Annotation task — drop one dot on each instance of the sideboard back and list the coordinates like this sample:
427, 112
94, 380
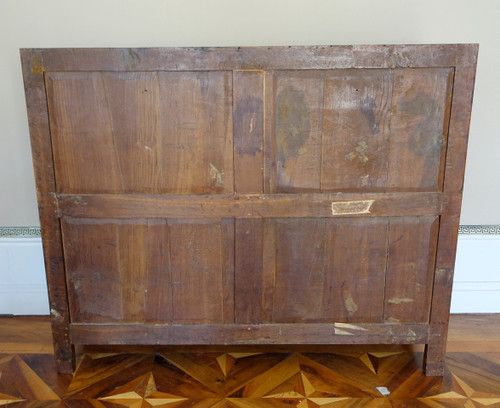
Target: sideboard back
262, 195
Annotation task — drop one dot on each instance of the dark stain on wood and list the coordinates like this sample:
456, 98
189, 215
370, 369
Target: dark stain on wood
247, 116
367, 106
425, 139
293, 124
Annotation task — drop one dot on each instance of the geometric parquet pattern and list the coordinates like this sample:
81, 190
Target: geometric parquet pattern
244, 380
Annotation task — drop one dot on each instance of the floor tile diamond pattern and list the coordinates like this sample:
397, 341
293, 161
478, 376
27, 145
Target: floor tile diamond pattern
304, 380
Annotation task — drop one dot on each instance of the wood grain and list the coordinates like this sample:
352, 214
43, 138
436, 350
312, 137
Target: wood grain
410, 268
41, 147
453, 183
127, 275
419, 126
248, 108
248, 269
302, 333
356, 130
261, 58
298, 122
135, 127
196, 124
251, 206
82, 134
260, 194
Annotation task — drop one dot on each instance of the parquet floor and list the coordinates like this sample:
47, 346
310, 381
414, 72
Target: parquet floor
300, 377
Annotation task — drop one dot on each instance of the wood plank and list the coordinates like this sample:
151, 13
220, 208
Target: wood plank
196, 128
267, 58
197, 271
41, 147
298, 126
303, 333
159, 270
92, 256
33, 334
82, 134
410, 268
419, 128
270, 169
251, 206
330, 270
356, 130
227, 264
135, 128
248, 270
300, 270
132, 256
248, 111
454, 176
268, 269
354, 282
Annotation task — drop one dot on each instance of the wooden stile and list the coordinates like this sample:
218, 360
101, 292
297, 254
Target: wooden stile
261, 195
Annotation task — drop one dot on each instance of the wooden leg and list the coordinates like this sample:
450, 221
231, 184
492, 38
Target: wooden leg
435, 350
65, 358
64, 351
434, 360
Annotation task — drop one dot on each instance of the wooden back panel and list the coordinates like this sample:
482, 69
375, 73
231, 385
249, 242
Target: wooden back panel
244, 186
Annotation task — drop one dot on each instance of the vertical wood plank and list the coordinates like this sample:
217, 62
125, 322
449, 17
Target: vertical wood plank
135, 128
197, 273
268, 269
82, 135
92, 256
300, 270
298, 128
453, 182
354, 279
41, 148
196, 128
356, 129
419, 128
248, 270
248, 109
227, 260
410, 268
270, 175
133, 249
159, 270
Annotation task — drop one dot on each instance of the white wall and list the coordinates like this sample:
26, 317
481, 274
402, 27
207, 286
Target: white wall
148, 23
127, 23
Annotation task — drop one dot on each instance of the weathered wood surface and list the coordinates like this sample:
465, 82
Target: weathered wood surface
463, 89
41, 148
311, 333
250, 206
190, 194
253, 58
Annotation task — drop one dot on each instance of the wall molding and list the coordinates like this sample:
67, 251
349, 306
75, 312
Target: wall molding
28, 232
20, 232
479, 229
476, 286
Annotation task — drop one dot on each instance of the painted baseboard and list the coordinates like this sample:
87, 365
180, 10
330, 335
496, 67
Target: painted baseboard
476, 288
23, 289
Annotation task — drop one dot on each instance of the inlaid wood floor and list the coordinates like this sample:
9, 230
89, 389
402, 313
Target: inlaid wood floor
269, 377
